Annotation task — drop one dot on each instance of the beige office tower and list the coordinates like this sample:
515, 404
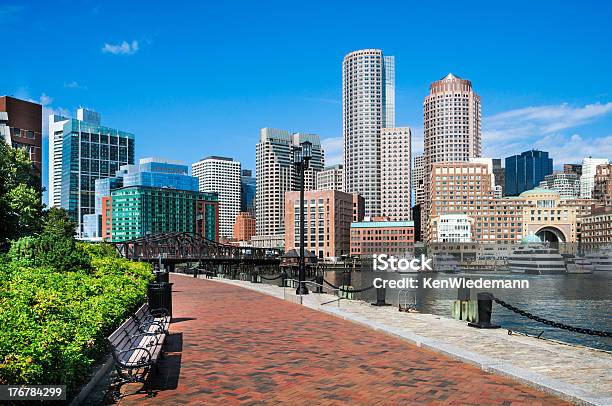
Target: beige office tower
221, 175
395, 149
276, 175
418, 179
368, 106
452, 126
331, 178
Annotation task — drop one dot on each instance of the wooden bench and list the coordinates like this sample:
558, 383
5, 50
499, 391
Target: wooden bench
145, 317
137, 345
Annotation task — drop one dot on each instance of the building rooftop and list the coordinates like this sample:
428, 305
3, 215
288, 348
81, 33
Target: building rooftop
381, 224
539, 191
450, 76
218, 158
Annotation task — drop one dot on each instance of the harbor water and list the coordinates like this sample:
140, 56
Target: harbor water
577, 300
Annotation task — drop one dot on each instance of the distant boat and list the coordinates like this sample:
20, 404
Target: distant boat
579, 265
601, 260
536, 259
446, 263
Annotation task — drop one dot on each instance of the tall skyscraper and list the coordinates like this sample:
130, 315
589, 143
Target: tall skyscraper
22, 123
526, 171
451, 122
81, 151
587, 179
418, 179
275, 174
331, 178
452, 128
222, 176
248, 187
368, 106
395, 173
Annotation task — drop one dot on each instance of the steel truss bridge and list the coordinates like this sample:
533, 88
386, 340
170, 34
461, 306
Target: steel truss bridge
175, 248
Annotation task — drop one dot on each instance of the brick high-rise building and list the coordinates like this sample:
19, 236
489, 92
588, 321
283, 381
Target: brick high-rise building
328, 217
244, 226
452, 128
396, 153
466, 189
368, 106
381, 236
602, 189
22, 123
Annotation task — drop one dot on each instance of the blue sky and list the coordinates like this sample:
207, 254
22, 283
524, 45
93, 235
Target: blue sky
201, 78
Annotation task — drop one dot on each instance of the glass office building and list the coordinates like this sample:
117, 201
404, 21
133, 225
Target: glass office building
248, 186
137, 211
155, 196
89, 152
526, 171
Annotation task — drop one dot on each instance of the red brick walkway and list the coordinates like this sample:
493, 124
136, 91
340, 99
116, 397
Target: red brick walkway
233, 346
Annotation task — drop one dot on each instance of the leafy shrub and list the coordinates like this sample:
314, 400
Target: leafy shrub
50, 250
57, 307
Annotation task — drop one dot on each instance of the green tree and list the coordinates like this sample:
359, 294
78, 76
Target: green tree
58, 223
20, 198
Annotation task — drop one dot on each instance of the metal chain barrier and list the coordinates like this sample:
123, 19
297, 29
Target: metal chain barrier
270, 279
346, 290
553, 323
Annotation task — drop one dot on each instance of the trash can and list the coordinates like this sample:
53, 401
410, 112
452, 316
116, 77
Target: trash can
160, 296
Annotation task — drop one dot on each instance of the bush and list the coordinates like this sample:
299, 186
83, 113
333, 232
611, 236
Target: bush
57, 307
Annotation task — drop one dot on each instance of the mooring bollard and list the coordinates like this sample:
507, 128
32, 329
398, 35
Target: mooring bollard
283, 279
485, 306
319, 284
381, 295
463, 294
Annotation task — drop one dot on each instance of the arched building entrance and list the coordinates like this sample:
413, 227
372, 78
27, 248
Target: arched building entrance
551, 234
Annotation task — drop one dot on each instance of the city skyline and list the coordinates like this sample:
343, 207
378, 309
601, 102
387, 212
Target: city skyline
523, 105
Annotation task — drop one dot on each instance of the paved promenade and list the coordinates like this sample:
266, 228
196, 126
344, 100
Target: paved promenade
234, 346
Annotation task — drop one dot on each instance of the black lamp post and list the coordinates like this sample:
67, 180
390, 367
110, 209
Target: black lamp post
301, 156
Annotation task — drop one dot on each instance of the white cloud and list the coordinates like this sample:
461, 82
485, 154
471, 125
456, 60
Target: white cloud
540, 120
334, 150
124, 48
514, 131
47, 110
74, 85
